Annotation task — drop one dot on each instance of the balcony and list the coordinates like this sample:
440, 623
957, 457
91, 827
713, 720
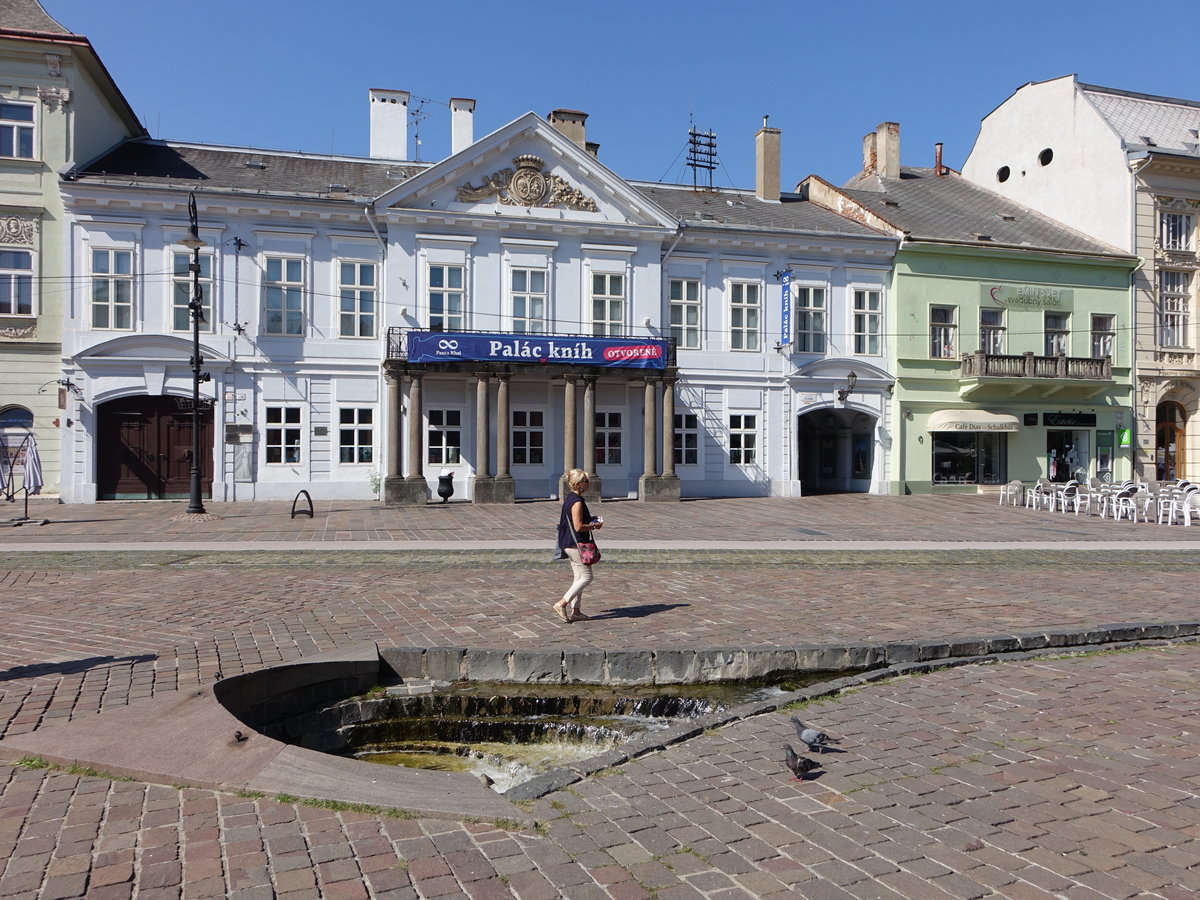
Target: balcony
1083, 377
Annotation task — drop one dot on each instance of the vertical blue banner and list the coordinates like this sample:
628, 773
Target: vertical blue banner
785, 314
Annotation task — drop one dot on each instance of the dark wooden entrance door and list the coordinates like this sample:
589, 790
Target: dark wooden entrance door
144, 449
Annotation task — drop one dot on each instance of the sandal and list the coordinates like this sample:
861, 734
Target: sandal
562, 612
580, 617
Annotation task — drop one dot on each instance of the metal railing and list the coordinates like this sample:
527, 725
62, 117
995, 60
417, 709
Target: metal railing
1028, 365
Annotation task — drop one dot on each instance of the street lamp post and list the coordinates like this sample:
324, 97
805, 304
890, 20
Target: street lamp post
196, 311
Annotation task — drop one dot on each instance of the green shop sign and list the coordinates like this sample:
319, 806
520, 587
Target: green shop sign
1028, 296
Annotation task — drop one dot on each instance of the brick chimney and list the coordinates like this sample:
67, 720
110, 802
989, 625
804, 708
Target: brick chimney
462, 132
389, 124
881, 151
766, 162
571, 124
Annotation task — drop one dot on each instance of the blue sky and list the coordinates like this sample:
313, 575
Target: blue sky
294, 75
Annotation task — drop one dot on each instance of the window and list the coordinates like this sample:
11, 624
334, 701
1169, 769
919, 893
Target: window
356, 436
684, 297
1175, 231
743, 315
867, 320
528, 438
942, 329
283, 296
16, 283
1102, 336
1057, 333
445, 436
969, 457
112, 289
687, 439
608, 438
283, 434
529, 301
446, 298
743, 439
1174, 307
181, 291
16, 130
608, 305
356, 286
809, 305
991, 331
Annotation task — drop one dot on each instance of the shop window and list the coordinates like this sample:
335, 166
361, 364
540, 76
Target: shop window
969, 457
1169, 429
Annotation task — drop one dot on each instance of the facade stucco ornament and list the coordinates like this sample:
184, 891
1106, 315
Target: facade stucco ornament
54, 65
28, 332
528, 185
54, 98
17, 230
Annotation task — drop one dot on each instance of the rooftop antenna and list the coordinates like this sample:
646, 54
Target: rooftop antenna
702, 154
417, 117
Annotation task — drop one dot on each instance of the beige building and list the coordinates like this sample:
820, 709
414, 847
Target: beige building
1123, 167
59, 108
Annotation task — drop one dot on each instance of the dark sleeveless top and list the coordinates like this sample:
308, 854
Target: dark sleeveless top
566, 537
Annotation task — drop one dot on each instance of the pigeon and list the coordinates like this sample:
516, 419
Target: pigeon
799, 765
816, 740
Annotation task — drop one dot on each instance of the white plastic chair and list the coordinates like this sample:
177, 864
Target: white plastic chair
1185, 504
1013, 493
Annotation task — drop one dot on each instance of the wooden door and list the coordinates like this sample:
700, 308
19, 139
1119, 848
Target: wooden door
144, 448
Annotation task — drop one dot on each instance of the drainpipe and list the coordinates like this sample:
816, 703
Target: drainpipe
371, 222
678, 237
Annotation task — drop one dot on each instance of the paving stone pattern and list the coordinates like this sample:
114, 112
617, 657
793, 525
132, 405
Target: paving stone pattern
1074, 777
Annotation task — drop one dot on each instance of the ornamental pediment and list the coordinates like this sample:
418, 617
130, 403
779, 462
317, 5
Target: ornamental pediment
527, 184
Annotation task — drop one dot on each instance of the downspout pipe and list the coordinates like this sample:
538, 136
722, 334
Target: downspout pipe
367, 211
682, 227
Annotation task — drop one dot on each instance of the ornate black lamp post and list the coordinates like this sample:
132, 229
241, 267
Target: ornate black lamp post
196, 310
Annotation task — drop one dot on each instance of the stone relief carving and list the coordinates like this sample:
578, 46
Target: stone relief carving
527, 185
17, 230
30, 331
54, 64
54, 98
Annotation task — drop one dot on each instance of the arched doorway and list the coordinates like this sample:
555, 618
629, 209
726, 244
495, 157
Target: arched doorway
1169, 448
835, 451
144, 449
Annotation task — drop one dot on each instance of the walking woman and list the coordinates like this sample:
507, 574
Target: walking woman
575, 524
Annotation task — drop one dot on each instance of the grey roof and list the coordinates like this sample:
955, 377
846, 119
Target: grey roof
951, 209
27, 15
154, 163
743, 210
1144, 120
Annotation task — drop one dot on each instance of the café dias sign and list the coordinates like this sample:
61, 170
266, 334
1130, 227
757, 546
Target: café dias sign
450, 346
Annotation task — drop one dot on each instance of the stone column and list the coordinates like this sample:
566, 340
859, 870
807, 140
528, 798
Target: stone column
482, 443
589, 435
395, 436
649, 442
413, 491
502, 487
570, 424
666, 486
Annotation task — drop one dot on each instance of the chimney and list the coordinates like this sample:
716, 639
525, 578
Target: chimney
593, 148
570, 123
869, 156
937, 160
887, 149
462, 133
389, 124
766, 163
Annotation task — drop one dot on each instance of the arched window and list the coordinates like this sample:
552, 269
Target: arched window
16, 423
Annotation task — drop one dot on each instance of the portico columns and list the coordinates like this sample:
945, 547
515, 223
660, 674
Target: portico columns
393, 476
589, 434
501, 488
569, 426
665, 486
412, 490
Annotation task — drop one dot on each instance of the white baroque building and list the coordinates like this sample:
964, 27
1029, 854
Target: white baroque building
500, 316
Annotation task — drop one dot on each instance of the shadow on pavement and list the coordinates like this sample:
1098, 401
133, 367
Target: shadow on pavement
70, 666
638, 612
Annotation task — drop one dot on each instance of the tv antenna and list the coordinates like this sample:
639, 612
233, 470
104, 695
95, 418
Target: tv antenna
702, 154
416, 116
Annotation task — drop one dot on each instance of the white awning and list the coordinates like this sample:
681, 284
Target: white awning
972, 420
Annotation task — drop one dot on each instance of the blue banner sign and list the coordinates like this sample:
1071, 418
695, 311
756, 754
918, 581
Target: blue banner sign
785, 324
452, 346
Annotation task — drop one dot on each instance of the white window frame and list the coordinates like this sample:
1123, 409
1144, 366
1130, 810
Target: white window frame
181, 290
745, 316
1057, 339
358, 298
1104, 329
113, 285
867, 323
608, 303
608, 430
292, 319
15, 132
524, 299
743, 439
16, 283
527, 437
1174, 307
356, 432
282, 433
443, 422
687, 425
684, 312
451, 314
810, 312
992, 336
1176, 230
943, 331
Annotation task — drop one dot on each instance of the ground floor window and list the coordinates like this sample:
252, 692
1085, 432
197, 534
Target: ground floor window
528, 438
969, 457
356, 436
608, 438
445, 437
1068, 455
743, 440
283, 434
687, 439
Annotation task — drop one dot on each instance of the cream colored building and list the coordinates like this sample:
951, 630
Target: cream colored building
1123, 167
59, 108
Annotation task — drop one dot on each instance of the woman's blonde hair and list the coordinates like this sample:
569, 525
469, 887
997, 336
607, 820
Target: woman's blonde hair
576, 477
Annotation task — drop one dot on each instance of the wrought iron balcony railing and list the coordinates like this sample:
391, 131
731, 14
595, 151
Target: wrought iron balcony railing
1027, 365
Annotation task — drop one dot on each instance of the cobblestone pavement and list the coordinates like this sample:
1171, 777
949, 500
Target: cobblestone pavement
1075, 777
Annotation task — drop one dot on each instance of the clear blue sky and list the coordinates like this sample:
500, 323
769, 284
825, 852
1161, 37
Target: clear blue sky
294, 75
